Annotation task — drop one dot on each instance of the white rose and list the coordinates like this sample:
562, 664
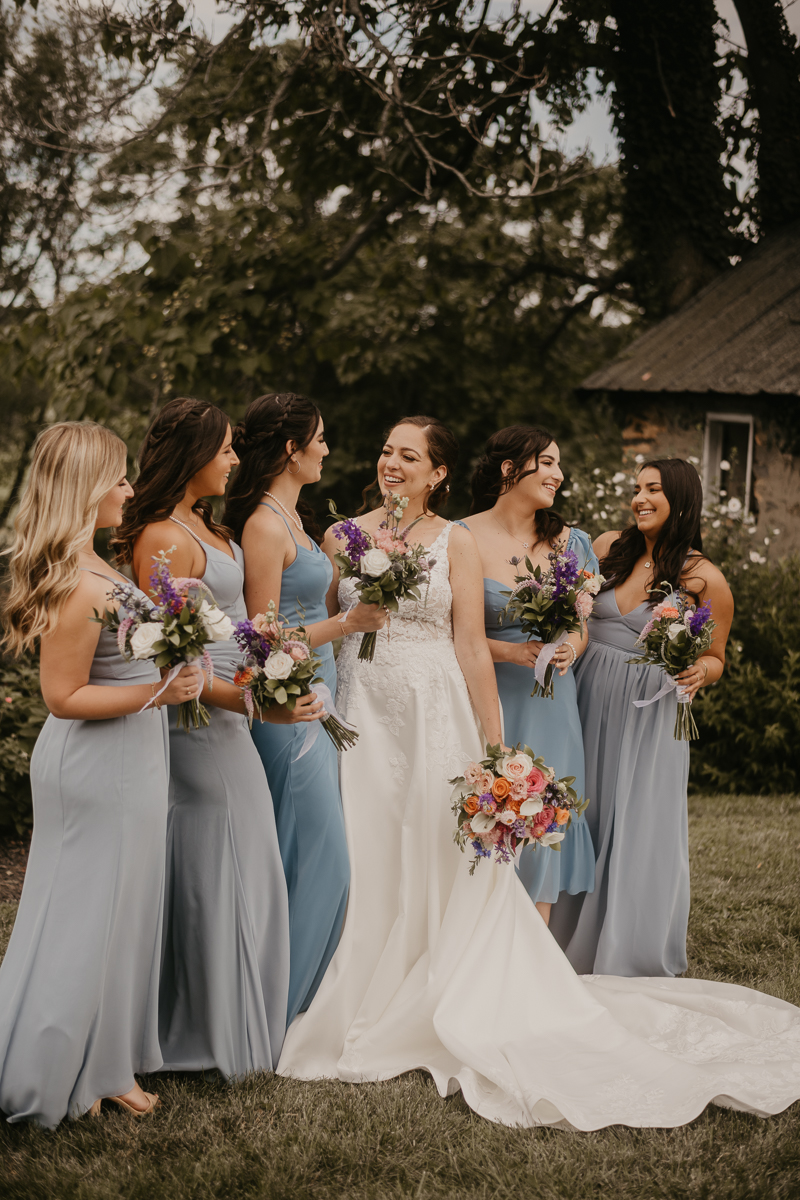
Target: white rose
674, 629
550, 839
531, 806
278, 665
144, 637
515, 767
217, 626
482, 822
375, 562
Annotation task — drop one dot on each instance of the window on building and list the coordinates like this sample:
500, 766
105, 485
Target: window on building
728, 461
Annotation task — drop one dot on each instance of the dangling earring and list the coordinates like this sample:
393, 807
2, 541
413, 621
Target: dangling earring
296, 463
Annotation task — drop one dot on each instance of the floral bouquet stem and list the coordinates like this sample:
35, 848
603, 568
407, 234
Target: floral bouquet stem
685, 726
366, 651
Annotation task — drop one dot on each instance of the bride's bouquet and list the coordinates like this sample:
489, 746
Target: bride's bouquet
174, 630
550, 605
676, 635
507, 801
386, 567
279, 667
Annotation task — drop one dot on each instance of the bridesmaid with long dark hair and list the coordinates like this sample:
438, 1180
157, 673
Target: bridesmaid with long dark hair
225, 975
514, 486
79, 982
281, 447
636, 773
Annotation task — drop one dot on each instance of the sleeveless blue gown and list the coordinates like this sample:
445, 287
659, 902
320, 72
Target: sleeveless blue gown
225, 974
553, 729
79, 982
636, 773
308, 805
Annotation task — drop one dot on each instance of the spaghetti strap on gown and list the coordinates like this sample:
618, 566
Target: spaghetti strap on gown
79, 982
636, 921
225, 975
458, 974
305, 793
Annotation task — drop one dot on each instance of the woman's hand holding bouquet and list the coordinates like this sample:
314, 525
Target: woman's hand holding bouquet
549, 606
386, 567
279, 667
512, 799
173, 630
677, 634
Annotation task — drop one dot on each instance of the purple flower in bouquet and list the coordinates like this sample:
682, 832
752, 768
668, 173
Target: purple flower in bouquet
163, 587
698, 619
251, 642
357, 542
565, 572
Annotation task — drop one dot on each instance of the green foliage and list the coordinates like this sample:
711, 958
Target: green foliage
22, 714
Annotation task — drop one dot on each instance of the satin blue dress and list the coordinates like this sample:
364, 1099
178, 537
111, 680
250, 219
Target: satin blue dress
225, 973
79, 982
551, 728
636, 773
308, 805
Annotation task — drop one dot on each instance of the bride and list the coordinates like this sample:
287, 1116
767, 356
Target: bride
458, 974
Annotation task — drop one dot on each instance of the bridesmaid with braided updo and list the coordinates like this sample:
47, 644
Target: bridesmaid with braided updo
225, 973
281, 447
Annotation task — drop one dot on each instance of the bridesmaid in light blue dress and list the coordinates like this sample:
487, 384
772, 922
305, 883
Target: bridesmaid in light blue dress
225, 971
79, 983
636, 773
281, 447
506, 503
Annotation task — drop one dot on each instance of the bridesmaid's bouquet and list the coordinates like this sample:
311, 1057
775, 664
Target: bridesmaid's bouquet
386, 567
550, 605
506, 801
173, 630
281, 666
676, 635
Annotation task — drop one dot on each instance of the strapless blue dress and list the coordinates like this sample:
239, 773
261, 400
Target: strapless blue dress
551, 728
308, 805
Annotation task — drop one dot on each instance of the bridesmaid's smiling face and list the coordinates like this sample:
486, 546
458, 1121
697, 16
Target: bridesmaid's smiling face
650, 506
310, 459
405, 467
212, 479
109, 512
540, 488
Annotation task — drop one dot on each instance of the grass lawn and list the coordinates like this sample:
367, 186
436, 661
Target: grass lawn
277, 1138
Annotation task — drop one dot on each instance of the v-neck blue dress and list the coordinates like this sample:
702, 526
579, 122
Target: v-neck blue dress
225, 973
636, 773
308, 805
553, 729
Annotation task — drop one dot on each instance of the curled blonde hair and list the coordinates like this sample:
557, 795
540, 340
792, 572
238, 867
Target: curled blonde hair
74, 465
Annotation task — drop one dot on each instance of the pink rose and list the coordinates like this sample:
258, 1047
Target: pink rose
546, 816
483, 781
271, 630
298, 651
584, 605
536, 782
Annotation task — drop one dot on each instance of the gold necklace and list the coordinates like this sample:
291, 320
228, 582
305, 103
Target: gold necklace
294, 518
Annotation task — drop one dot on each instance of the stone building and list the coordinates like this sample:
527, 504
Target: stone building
718, 382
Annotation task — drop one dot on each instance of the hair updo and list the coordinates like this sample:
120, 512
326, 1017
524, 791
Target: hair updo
442, 451
260, 442
517, 444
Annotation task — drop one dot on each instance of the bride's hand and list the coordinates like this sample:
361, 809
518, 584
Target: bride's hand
365, 618
526, 653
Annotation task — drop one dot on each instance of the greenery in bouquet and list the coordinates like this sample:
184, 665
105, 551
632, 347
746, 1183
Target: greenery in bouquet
551, 604
510, 800
172, 630
676, 635
280, 666
386, 567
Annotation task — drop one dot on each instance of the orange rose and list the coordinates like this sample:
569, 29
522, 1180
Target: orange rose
562, 816
501, 788
514, 805
471, 805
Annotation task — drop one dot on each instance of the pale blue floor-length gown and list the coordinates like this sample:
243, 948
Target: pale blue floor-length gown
308, 806
552, 728
79, 982
636, 773
225, 975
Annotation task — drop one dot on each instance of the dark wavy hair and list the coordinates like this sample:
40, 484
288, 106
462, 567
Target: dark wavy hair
183, 437
260, 441
442, 451
519, 444
679, 534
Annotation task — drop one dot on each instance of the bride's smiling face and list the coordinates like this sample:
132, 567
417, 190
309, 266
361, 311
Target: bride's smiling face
405, 467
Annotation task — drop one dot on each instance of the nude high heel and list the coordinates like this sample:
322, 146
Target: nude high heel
94, 1111
135, 1112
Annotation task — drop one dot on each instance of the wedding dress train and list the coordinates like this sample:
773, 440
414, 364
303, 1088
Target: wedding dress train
459, 975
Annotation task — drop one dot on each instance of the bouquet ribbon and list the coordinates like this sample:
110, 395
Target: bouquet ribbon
165, 682
312, 729
671, 684
545, 654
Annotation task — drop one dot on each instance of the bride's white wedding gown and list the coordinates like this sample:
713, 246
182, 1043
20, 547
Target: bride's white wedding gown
459, 975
